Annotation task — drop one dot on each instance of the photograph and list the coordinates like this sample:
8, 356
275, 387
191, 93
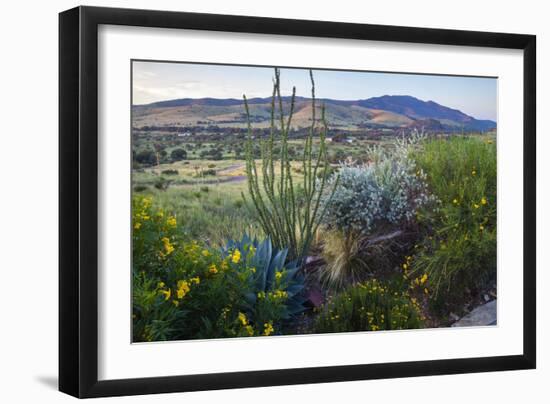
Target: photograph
270, 201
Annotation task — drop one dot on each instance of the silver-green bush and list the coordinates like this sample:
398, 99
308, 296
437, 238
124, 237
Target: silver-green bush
387, 190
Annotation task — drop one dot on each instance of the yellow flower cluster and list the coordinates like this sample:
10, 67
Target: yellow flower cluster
279, 294
236, 256
142, 214
171, 221
242, 318
244, 321
421, 280
184, 287
406, 266
268, 329
168, 247
212, 269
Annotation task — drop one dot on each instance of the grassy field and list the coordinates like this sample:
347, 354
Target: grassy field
205, 195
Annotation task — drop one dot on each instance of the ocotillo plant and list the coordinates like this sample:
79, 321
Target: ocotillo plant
288, 219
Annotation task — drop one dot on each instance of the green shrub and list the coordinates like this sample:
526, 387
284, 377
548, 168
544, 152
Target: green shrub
369, 306
170, 172
209, 172
140, 188
459, 252
162, 184
178, 154
184, 290
386, 192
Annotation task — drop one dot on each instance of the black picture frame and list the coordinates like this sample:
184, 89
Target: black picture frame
78, 201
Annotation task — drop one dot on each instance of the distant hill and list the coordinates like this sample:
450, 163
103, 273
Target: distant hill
390, 111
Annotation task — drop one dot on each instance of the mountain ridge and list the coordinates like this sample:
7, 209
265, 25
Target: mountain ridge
387, 111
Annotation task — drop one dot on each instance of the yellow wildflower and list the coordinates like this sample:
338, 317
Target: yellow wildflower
481, 227
137, 225
236, 257
249, 330
455, 201
242, 318
212, 269
476, 206
484, 201
171, 221
161, 285
167, 245
405, 266
183, 289
280, 294
474, 172
253, 270
423, 279
196, 280
205, 253
268, 329
166, 294
261, 295
278, 275
175, 303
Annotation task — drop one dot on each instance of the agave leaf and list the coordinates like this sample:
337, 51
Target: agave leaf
250, 298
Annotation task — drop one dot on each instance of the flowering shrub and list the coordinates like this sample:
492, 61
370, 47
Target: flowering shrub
388, 190
183, 290
369, 306
459, 253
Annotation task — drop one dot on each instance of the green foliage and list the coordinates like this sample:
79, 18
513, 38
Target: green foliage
459, 252
162, 184
386, 192
209, 172
288, 221
169, 172
178, 154
369, 306
185, 290
146, 157
140, 188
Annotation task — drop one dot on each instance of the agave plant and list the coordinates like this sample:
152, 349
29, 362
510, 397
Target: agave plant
268, 261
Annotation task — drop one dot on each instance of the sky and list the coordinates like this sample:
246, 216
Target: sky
161, 81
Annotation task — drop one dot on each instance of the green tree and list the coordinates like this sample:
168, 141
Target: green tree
178, 154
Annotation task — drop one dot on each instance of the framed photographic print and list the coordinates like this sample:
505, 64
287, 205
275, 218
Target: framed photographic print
251, 201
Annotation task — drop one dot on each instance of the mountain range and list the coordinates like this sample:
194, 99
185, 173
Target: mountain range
388, 111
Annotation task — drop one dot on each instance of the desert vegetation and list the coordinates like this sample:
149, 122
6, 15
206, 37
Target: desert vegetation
279, 230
